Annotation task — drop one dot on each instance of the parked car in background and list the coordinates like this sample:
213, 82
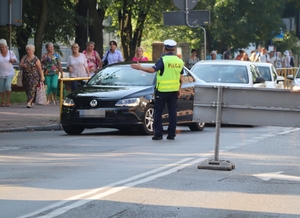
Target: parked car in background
269, 73
295, 85
229, 73
121, 97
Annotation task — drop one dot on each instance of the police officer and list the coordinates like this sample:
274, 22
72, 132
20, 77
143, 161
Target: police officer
169, 70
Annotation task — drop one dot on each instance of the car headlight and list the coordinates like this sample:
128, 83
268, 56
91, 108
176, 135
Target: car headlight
128, 102
68, 102
295, 88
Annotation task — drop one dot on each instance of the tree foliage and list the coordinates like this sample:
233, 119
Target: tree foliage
139, 22
234, 23
131, 19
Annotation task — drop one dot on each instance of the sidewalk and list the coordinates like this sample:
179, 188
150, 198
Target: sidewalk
19, 118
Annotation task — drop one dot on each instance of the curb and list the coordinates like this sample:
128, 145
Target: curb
33, 128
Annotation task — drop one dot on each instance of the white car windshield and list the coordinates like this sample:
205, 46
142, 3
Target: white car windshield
219, 73
122, 75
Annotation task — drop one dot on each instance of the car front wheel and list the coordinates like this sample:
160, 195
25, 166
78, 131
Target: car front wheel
73, 130
197, 126
147, 127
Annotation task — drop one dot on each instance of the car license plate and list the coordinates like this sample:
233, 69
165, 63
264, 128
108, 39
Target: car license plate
92, 113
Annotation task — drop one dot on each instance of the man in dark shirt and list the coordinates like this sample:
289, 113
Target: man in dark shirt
292, 63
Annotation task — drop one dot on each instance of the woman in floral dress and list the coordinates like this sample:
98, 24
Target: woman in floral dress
93, 58
32, 74
52, 67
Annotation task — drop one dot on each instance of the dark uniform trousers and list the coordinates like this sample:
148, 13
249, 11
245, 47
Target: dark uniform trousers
161, 99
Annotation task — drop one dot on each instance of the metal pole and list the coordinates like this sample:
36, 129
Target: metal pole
10, 23
218, 121
187, 23
88, 25
204, 41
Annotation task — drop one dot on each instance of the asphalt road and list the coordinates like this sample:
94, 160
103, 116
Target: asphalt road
103, 173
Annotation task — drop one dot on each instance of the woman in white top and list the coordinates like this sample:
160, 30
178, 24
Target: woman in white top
77, 65
7, 72
286, 60
272, 57
278, 60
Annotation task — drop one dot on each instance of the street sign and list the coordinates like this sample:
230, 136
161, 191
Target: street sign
289, 23
195, 18
279, 37
10, 14
181, 4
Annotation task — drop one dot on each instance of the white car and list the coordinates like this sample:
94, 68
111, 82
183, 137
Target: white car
229, 73
295, 84
269, 73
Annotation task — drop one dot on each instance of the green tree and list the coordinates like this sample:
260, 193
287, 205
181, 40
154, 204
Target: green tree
132, 16
233, 22
45, 21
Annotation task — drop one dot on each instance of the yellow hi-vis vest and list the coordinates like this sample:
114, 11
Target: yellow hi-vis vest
170, 80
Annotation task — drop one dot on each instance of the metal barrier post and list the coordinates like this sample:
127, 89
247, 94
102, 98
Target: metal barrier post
62, 90
217, 164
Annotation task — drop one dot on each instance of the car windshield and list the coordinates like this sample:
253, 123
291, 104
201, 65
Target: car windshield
122, 75
265, 72
220, 73
298, 74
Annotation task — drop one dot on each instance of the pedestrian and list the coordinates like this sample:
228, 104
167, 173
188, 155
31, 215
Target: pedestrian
292, 62
252, 55
139, 57
286, 60
169, 78
77, 66
7, 72
193, 59
278, 60
258, 53
245, 57
272, 58
240, 55
275, 51
264, 57
213, 55
51, 64
113, 55
32, 74
93, 59
227, 54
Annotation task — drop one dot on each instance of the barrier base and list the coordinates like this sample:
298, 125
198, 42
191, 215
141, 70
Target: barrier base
216, 165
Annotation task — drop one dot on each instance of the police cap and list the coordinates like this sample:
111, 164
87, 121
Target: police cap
170, 43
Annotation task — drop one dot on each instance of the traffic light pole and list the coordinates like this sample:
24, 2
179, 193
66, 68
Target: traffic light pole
187, 23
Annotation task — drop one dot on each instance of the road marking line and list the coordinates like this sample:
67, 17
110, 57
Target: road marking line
114, 190
59, 203
288, 131
8, 148
277, 175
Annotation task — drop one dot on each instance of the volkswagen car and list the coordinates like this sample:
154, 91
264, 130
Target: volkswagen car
121, 97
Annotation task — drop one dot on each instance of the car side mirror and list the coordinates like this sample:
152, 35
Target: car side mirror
280, 79
259, 80
291, 77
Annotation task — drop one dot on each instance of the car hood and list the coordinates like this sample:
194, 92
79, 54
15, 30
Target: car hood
296, 81
258, 85
230, 84
112, 92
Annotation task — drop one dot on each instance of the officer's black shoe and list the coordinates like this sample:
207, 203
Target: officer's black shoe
171, 137
156, 137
